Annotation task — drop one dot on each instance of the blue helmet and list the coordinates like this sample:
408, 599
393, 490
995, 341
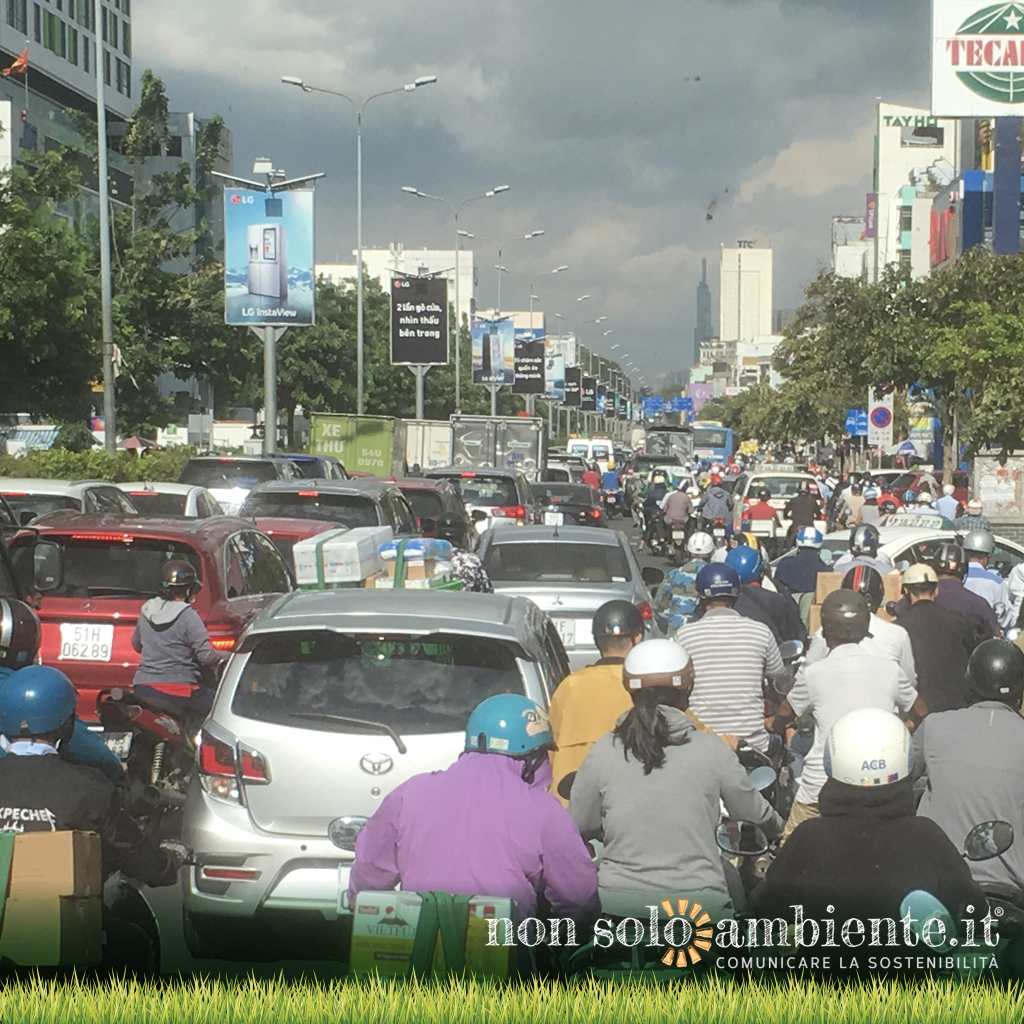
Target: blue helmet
809, 537
909, 497
719, 579
509, 724
747, 563
36, 700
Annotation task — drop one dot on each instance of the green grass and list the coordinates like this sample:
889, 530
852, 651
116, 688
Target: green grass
199, 1001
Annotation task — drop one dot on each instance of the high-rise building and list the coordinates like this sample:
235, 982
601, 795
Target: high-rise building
745, 292
704, 329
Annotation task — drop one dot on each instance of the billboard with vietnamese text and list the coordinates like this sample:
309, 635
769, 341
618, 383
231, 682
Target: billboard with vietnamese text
493, 352
419, 325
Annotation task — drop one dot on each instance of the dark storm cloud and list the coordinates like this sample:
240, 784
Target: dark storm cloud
592, 113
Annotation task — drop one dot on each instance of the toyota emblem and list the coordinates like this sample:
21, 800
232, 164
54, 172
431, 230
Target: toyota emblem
376, 764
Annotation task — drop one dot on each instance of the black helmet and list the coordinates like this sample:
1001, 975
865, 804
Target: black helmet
856, 488
949, 559
887, 507
864, 540
764, 494
451, 526
20, 634
867, 582
996, 672
617, 619
178, 575
845, 616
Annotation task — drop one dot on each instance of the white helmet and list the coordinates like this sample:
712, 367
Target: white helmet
948, 489
701, 545
657, 663
869, 747
693, 491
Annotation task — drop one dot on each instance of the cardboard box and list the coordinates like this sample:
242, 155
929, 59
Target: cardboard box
814, 619
56, 864
49, 931
340, 556
415, 569
384, 929
831, 581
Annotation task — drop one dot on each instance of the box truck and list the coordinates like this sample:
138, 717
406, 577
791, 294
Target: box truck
500, 442
364, 444
428, 443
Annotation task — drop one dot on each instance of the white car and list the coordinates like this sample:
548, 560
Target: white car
162, 498
784, 485
32, 497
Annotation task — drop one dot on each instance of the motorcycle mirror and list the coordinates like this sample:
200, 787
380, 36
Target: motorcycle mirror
827, 555
1000, 610
762, 777
924, 909
791, 649
564, 787
478, 515
741, 838
903, 565
343, 832
652, 575
988, 840
890, 608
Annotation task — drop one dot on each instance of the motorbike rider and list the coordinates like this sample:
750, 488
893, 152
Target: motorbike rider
728, 692
804, 509
611, 485
850, 676
869, 512
500, 833
593, 478
779, 613
798, 572
716, 503
20, 636
677, 508
947, 505
850, 512
950, 566
677, 598
466, 564
974, 758
864, 541
656, 493
972, 519
175, 645
651, 792
979, 546
942, 641
868, 849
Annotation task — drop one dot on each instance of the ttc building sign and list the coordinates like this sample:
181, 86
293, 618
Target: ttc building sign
977, 59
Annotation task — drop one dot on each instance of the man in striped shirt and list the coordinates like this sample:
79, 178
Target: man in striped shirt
732, 656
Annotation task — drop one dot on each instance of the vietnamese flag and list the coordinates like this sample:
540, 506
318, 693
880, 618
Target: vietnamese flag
20, 66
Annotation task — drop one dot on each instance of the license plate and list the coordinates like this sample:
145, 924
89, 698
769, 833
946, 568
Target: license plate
678, 535
611, 500
80, 641
567, 631
554, 518
119, 743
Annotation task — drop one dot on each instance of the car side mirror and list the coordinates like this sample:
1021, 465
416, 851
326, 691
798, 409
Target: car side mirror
741, 839
26, 517
478, 515
791, 649
988, 840
652, 575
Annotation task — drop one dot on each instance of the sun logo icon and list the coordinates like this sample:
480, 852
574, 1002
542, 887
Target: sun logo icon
695, 928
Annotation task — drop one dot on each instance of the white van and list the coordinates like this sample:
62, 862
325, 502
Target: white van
594, 449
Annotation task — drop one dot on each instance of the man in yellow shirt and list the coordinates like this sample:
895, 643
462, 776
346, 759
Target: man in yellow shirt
588, 703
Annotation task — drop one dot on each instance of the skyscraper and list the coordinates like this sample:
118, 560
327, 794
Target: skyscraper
704, 329
745, 293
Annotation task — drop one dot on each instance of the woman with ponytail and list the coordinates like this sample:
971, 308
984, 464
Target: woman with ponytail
651, 791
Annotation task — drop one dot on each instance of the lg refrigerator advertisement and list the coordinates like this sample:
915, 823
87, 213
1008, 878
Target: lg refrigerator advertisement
573, 386
493, 351
556, 384
268, 258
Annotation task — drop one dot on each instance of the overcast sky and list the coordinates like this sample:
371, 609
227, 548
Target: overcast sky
589, 109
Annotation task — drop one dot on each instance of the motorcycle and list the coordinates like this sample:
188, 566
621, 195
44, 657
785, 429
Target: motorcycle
613, 502
719, 534
679, 534
654, 539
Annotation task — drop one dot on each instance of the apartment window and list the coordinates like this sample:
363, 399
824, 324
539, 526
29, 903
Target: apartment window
906, 218
126, 39
174, 146
86, 50
54, 34
106, 67
37, 23
113, 28
60, 5
73, 45
904, 256
17, 15
87, 14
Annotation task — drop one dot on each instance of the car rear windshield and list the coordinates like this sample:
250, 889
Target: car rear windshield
152, 503
103, 567
556, 562
31, 506
351, 509
227, 474
309, 469
904, 482
495, 491
778, 486
415, 685
564, 494
424, 504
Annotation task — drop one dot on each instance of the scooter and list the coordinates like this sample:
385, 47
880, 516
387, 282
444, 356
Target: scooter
719, 534
613, 502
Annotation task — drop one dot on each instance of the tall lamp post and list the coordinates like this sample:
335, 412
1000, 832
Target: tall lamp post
410, 87
455, 208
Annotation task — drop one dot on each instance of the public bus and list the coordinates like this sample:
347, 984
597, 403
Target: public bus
712, 441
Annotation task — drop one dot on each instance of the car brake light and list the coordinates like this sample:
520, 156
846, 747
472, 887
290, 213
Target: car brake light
15, 494
223, 643
231, 874
215, 757
509, 512
125, 538
140, 494
254, 766
595, 513
467, 476
226, 458
644, 608
309, 494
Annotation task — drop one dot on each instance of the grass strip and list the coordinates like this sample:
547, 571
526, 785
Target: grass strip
205, 1001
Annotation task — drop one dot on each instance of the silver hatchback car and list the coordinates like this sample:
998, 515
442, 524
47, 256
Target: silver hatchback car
569, 572
332, 700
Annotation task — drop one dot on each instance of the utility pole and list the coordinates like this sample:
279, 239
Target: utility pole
106, 299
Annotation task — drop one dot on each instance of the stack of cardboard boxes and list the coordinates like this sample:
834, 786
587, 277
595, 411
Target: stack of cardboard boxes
829, 581
54, 907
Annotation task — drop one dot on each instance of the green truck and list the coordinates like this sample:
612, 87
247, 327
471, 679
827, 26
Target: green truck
364, 444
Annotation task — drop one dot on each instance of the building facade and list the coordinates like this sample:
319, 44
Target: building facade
745, 292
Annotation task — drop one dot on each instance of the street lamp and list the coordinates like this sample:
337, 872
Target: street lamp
409, 87
411, 190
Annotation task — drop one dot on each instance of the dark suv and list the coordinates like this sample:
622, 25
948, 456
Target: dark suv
354, 503
501, 496
230, 478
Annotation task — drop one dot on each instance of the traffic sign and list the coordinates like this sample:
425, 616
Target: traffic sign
879, 420
857, 422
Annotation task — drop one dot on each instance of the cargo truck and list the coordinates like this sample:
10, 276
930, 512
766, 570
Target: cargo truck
676, 441
373, 445
428, 443
500, 442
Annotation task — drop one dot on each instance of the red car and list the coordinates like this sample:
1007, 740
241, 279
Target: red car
94, 572
429, 498
286, 533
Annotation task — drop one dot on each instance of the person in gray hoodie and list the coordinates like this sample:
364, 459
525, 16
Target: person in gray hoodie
651, 791
174, 644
